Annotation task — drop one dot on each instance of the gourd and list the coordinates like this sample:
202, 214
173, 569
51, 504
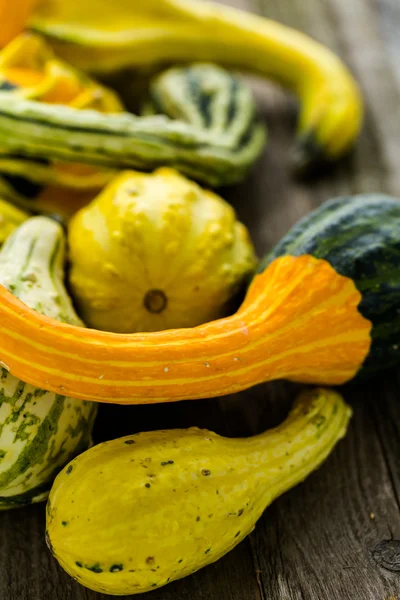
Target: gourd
218, 141
40, 431
100, 36
299, 321
29, 70
280, 331
10, 218
133, 514
13, 17
154, 252
360, 238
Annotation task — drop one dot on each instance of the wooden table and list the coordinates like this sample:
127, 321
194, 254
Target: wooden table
336, 536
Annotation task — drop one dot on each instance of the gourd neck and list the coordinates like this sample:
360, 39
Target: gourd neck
284, 456
279, 332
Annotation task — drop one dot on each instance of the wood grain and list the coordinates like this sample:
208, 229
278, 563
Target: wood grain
335, 536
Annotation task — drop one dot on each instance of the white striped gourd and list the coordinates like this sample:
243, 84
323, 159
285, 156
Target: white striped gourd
40, 431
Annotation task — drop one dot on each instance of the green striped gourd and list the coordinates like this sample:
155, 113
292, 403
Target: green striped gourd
360, 238
40, 431
30, 70
205, 127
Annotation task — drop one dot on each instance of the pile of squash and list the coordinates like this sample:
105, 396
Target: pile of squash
124, 279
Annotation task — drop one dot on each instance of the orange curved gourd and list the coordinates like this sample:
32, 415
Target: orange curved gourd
299, 321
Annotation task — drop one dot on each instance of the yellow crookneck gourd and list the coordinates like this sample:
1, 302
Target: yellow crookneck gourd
100, 36
154, 252
133, 514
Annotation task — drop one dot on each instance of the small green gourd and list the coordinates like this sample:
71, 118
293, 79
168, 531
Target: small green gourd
201, 121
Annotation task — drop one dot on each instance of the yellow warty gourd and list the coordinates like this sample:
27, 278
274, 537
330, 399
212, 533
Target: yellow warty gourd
132, 514
156, 252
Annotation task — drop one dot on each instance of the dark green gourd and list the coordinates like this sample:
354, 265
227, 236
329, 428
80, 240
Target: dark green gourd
360, 237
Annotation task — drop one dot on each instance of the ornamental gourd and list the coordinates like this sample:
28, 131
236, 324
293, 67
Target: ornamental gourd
40, 431
217, 140
360, 238
154, 252
101, 36
133, 514
299, 321
11, 217
29, 70
13, 16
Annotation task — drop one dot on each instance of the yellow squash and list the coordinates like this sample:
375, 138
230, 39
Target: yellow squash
156, 252
99, 35
130, 515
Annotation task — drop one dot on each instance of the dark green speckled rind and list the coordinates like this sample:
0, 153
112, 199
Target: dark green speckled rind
360, 237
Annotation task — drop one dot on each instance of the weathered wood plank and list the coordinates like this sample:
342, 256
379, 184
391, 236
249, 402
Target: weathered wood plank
387, 418
317, 541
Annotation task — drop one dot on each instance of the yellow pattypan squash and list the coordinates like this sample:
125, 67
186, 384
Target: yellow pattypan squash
155, 252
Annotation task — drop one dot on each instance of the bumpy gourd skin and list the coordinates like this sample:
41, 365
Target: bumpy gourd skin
132, 514
155, 252
40, 431
102, 36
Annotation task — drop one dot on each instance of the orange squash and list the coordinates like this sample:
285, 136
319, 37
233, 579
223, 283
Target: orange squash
299, 321
13, 17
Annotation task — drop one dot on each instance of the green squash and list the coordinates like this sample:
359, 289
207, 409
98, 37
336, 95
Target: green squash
201, 120
360, 238
40, 431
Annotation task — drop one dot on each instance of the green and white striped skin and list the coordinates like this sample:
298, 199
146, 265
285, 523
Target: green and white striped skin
205, 127
39, 431
213, 100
